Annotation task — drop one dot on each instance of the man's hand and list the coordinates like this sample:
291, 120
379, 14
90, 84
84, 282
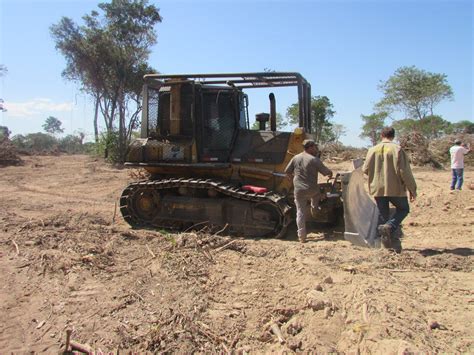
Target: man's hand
330, 174
412, 197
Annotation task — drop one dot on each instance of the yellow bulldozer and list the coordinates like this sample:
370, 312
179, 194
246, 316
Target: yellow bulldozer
207, 167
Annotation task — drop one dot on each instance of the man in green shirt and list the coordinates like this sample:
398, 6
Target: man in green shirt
304, 168
390, 176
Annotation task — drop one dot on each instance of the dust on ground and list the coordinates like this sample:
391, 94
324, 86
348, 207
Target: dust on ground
68, 261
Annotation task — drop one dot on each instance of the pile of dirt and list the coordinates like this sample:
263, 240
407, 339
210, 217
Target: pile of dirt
336, 152
8, 153
434, 153
417, 146
440, 147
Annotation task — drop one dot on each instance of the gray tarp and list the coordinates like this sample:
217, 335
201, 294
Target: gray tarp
360, 211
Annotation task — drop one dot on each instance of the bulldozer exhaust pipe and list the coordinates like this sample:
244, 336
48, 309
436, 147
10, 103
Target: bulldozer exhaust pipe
273, 121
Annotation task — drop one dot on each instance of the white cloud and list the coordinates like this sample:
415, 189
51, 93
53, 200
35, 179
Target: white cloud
36, 107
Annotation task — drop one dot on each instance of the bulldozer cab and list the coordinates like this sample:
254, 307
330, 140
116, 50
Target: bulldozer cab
207, 111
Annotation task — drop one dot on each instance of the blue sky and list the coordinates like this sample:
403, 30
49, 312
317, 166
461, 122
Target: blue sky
343, 48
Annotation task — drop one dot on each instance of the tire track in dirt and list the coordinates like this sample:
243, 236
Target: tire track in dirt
22, 329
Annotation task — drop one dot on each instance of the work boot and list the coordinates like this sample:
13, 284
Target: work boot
385, 232
302, 239
396, 245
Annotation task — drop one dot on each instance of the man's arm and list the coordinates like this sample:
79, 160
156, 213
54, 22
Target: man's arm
323, 169
406, 174
367, 162
289, 170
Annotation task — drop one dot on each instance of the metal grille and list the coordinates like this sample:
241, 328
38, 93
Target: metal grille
219, 122
187, 100
153, 105
159, 111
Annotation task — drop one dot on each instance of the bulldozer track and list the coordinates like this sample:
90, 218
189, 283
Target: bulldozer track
279, 202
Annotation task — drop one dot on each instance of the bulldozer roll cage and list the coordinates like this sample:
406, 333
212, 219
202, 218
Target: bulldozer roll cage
250, 81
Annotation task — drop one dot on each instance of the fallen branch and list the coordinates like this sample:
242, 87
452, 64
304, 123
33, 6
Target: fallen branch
68, 339
204, 329
207, 254
220, 231
365, 309
138, 295
115, 212
276, 330
75, 346
24, 265
151, 253
225, 246
42, 334
16, 247
194, 225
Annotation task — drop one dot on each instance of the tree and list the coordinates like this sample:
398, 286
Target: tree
35, 142
321, 113
433, 126
81, 135
52, 125
373, 125
414, 91
404, 127
4, 133
108, 55
71, 144
464, 126
338, 130
3, 72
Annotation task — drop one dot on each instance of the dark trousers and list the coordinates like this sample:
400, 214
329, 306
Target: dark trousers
457, 177
402, 208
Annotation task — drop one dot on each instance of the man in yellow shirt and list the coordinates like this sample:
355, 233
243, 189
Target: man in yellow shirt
390, 176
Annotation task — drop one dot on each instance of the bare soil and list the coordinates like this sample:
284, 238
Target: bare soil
69, 261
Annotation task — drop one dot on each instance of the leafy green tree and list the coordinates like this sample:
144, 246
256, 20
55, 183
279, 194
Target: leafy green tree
280, 123
108, 56
373, 125
35, 142
430, 127
108, 146
52, 125
3, 71
433, 126
321, 114
71, 144
414, 91
4, 133
81, 135
405, 126
464, 126
18, 141
339, 131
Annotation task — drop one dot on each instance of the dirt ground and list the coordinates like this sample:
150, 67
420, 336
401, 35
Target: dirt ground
69, 261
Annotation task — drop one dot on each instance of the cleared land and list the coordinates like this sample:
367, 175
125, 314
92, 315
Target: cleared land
67, 261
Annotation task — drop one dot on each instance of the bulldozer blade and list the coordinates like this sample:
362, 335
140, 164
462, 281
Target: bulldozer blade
360, 211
